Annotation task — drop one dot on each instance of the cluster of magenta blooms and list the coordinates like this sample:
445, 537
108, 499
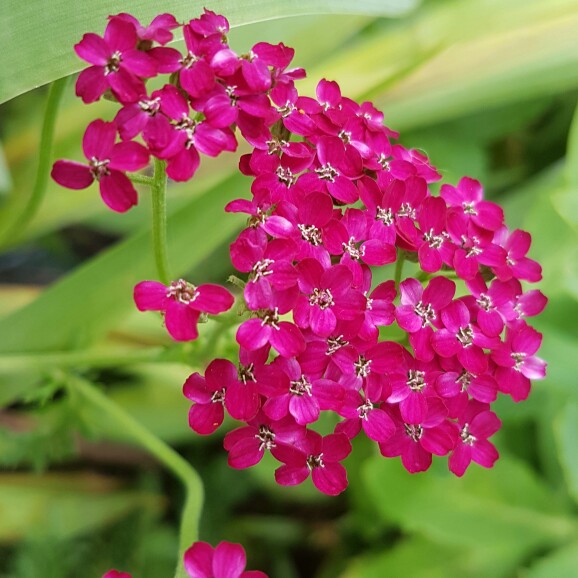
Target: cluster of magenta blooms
333, 200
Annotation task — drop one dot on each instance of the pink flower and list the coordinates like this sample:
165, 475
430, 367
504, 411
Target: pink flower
476, 425
467, 197
116, 574
247, 445
107, 165
421, 307
318, 456
515, 263
363, 412
182, 303
226, 560
461, 338
159, 30
116, 63
517, 362
269, 329
416, 443
327, 297
222, 386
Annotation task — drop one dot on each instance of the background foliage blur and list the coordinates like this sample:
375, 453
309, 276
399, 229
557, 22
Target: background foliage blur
487, 89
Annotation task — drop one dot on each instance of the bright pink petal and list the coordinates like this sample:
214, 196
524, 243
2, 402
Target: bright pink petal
331, 479
413, 408
204, 419
126, 86
150, 296
484, 453
336, 447
181, 321
118, 192
253, 335
91, 84
485, 424
291, 475
245, 453
213, 299
129, 156
93, 49
229, 560
139, 63
198, 560
460, 459
72, 175
304, 409
322, 321
184, 165
439, 292
445, 343
120, 34
98, 140
287, 340
378, 426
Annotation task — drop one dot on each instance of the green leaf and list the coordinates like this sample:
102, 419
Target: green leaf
561, 563
47, 52
417, 557
503, 507
472, 73
63, 505
566, 428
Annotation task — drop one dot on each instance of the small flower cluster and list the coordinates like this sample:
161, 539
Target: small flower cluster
211, 90
333, 199
201, 560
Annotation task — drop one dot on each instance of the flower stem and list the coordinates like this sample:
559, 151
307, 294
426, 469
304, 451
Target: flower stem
159, 194
398, 268
141, 179
44, 156
189, 530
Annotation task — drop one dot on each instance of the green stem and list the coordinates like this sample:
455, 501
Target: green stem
141, 179
189, 531
44, 160
159, 194
398, 268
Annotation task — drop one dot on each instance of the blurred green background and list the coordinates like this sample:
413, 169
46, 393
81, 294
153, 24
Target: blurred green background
487, 89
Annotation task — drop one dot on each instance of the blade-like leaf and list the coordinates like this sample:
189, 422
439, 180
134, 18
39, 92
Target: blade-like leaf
37, 40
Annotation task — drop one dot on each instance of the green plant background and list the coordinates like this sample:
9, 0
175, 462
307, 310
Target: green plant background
488, 89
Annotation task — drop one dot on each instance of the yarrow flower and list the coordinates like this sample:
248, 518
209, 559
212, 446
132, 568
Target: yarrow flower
414, 363
181, 304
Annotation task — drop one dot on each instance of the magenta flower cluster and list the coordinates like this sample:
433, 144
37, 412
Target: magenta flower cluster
210, 91
333, 201
201, 560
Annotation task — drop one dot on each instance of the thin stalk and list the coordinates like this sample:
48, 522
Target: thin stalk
159, 200
44, 160
189, 531
398, 268
141, 179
